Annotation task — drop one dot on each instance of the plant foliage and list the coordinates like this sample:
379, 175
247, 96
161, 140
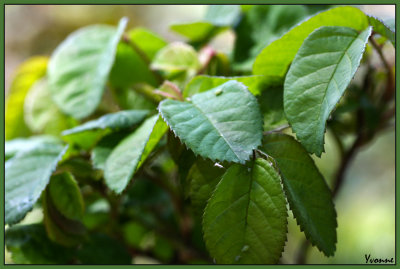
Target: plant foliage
187, 158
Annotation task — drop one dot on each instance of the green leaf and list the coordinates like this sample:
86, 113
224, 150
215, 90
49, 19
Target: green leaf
130, 68
176, 57
133, 59
128, 98
41, 114
131, 152
79, 68
26, 176
219, 64
204, 83
271, 104
203, 177
320, 73
29, 244
382, 29
147, 41
285, 48
245, 220
104, 148
87, 134
102, 249
183, 157
135, 233
61, 229
221, 124
308, 195
223, 15
261, 25
12, 147
197, 32
66, 196
26, 75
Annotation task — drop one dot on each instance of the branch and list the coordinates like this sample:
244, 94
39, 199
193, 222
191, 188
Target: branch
390, 76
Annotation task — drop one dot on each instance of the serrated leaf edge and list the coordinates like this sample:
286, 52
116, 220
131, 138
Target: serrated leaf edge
216, 159
318, 154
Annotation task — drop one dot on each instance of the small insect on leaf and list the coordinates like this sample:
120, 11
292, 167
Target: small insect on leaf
218, 92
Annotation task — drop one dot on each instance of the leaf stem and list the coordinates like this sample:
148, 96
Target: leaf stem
205, 56
277, 129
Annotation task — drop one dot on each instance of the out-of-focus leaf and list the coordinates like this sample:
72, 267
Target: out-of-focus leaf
41, 114
261, 25
102, 249
174, 58
271, 105
80, 66
204, 83
217, 124
219, 65
245, 221
14, 146
128, 98
29, 244
285, 48
198, 31
26, 176
382, 29
61, 229
147, 41
131, 152
223, 15
130, 68
183, 158
26, 75
81, 168
308, 195
134, 233
320, 73
66, 196
87, 134
133, 59
163, 249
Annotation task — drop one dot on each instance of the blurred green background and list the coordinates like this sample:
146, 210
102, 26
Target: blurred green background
366, 202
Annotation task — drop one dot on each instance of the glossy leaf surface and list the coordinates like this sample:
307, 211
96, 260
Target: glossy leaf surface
221, 124
204, 83
131, 152
90, 132
320, 73
26, 176
245, 219
308, 195
79, 68
285, 48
